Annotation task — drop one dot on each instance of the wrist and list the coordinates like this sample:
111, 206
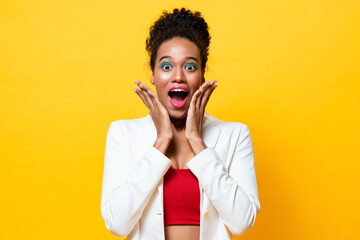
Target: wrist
164, 136
162, 144
197, 144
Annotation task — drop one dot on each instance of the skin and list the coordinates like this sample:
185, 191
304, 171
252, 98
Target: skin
178, 63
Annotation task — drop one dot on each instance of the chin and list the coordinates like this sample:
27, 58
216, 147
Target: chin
178, 114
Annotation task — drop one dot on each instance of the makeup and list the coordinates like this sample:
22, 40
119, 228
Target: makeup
178, 96
165, 64
194, 65
177, 64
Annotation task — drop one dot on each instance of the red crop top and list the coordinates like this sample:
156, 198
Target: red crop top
181, 198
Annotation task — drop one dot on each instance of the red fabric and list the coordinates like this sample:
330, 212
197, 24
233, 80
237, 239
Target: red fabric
181, 198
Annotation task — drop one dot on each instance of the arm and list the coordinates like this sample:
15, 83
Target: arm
127, 188
234, 192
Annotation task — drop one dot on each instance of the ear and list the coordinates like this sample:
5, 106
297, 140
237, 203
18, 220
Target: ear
152, 79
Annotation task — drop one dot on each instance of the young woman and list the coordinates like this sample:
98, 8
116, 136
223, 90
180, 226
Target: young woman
178, 173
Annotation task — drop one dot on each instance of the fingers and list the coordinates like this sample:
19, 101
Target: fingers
202, 95
149, 98
145, 88
146, 95
202, 90
197, 107
141, 95
207, 93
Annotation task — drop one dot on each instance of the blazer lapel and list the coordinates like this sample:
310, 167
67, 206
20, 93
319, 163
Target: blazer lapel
210, 132
149, 131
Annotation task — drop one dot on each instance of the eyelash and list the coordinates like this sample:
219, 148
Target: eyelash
186, 65
192, 65
165, 64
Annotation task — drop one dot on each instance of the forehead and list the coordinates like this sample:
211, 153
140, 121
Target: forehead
178, 49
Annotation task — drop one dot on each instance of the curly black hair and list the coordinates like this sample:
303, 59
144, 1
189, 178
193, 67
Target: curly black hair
180, 23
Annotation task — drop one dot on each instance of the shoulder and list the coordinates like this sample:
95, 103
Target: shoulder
129, 125
224, 126
232, 134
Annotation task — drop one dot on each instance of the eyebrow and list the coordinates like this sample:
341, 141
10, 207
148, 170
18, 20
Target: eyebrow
171, 58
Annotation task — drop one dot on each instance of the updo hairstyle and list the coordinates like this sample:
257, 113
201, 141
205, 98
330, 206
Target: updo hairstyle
180, 23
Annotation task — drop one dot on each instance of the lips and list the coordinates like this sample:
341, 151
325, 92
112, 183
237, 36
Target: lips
178, 96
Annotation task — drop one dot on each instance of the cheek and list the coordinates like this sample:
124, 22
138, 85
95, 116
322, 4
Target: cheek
161, 80
163, 76
195, 81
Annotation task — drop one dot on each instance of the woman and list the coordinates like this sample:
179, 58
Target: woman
178, 173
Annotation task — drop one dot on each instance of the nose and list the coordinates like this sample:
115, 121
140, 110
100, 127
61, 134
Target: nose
179, 75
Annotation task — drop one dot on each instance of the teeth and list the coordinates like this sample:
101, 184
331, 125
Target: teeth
178, 90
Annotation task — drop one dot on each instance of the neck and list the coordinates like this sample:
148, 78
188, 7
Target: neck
179, 124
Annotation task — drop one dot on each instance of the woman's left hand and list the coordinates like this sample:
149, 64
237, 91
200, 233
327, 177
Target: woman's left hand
195, 115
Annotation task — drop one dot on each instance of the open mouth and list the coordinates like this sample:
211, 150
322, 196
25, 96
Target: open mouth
178, 96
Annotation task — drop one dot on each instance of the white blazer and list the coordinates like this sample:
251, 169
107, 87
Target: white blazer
132, 190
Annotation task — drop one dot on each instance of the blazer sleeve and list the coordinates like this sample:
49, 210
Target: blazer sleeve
128, 183
232, 192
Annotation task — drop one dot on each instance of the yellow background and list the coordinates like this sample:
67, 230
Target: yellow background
288, 69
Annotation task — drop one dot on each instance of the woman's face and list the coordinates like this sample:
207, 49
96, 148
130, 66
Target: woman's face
177, 75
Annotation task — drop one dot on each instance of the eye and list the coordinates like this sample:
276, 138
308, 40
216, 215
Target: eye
166, 66
191, 66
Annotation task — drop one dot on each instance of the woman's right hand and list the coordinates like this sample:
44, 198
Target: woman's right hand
159, 115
